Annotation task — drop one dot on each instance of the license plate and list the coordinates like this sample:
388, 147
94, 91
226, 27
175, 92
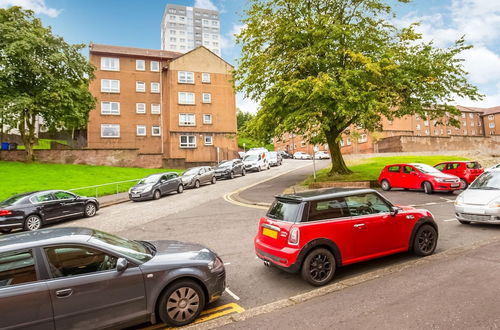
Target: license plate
136, 195
454, 185
269, 233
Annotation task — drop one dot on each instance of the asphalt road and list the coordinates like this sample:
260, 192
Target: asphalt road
204, 216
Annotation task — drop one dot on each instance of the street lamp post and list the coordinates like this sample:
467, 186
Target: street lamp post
315, 150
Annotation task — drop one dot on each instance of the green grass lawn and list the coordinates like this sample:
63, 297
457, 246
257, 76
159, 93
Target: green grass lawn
369, 169
43, 144
17, 177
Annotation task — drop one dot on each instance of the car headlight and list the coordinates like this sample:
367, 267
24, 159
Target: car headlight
148, 188
215, 265
439, 180
130, 190
460, 199
494, 203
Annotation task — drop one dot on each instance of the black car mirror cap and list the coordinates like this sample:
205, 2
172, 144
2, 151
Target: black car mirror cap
121, 264
395, 210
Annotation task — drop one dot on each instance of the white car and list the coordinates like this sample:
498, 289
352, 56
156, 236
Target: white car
256, 161
321, 155
301, 155
481, 201
494, 167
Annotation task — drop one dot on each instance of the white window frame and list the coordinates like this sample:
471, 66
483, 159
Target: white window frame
418, 127
348, 141
155, 90
138, 89
153, 130
155, 108
188, 144
209, 121
491, 125
211, 143
184, 98
426, 123
139, 67
207, 98
205, 77
108, 60
103, 126
139, 128
140, 105
363, 138
110, 111
449, 132
185, 119
154, 66
110, 89
471, 115
185, 77
491, 117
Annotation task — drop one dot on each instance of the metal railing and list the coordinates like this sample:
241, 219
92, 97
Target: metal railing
117, 187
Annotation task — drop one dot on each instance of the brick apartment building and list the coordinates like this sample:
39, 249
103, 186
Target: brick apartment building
179, 106
474, 122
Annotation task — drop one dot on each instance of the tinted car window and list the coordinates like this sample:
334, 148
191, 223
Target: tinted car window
17, 268
453, 166
407, 169
473, 165
63, 195
42, 198
284, 211
328, 209
394, 169
77, 260
366, 204
171, 176
440, 167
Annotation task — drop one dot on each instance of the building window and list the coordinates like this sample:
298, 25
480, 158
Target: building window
418, 126
463, 114
155, 131
427, 132
140, 86
140, 108
436, 132
471, 115
479, 123
491, 117
464, 123
492, 125
207, 119
110, 86
188, 141
473, 132
449, 132
472, 124
348, 141
187, 119
465, 132
207, 98
155, 66
205, 77
110, 64
185, 77
426, 123
155, 109
341, 143
110, 131
110, 108
208, 140
363, 138
141, 130
417, 117
140, 65
186, 98
155, 87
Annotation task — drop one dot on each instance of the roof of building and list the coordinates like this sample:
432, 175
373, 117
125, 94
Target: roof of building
132, 51
203, 47
484, 111
491, 111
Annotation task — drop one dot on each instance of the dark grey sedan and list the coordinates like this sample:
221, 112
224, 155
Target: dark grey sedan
156, 185
196, 176
79, 278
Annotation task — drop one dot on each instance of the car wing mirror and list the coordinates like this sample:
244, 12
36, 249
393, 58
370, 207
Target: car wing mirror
121, 264
394, 210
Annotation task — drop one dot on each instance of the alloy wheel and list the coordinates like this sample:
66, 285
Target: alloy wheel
33, 222
90, 210
180, 189
156, 194
197, 184
320, 267
426, 241
182, 304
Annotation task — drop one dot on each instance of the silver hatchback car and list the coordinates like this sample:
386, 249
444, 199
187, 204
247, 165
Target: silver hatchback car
79, 278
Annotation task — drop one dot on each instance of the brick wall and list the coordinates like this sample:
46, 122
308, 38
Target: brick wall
434, 143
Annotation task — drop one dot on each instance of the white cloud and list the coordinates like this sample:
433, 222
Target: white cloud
482, 64
246, 105
205, 4
38, 6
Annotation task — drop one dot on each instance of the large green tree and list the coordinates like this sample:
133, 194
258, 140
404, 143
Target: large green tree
321, 67
42, 78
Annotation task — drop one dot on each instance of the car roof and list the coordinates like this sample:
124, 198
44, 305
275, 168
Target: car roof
313, 195
47, 236
458, 161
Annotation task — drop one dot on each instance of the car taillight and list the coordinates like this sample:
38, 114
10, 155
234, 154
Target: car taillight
5, 212
294, 237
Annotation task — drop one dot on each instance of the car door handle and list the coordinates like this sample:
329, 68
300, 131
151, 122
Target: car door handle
64, 293
359, 225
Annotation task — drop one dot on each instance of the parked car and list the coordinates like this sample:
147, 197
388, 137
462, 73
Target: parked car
497, 166
316, 232
285, 155
275, 159
68, 278
241, 154
229, 168
256, 161
196, 176
321, 155
467, 171
481, 201
301, 155
417, 176
156, 185
257, 150
33, 210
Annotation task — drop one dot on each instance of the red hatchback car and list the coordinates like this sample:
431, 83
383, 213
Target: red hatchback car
316, 232
417, 176
466, 171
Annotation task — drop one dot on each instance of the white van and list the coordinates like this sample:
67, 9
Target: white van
256, 160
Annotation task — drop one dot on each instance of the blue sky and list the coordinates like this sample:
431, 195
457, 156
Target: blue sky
136, 23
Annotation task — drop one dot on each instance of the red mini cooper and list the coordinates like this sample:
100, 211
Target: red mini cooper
417, 176
316, 232
466, 171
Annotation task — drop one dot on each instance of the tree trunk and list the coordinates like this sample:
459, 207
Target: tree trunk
27, 130
338, 164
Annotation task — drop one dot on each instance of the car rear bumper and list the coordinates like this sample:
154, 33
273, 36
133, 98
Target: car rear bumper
11, 222
284, 258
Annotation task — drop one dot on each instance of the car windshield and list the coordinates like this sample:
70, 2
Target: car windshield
191, 171
285, 211
425, 168
13, 200
250, 158
132, 249
150, 179
225, 164
487, 181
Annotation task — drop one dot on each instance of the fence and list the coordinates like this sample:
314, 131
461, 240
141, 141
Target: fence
111, 188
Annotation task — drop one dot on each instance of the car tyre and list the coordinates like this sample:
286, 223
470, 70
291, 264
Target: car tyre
318, 267
156, 194
214, 180
90, 210
197, 184
425, 241
181, 303
386, 186
33, 222
231, 175
464, 184
180, 189
463, 222
427, 187
243, 172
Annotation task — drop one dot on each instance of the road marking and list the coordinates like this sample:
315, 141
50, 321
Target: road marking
431, 203
227, 263
448, 220
231, 293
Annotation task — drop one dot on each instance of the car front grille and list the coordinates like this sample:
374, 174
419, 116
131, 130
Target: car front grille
475, 217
